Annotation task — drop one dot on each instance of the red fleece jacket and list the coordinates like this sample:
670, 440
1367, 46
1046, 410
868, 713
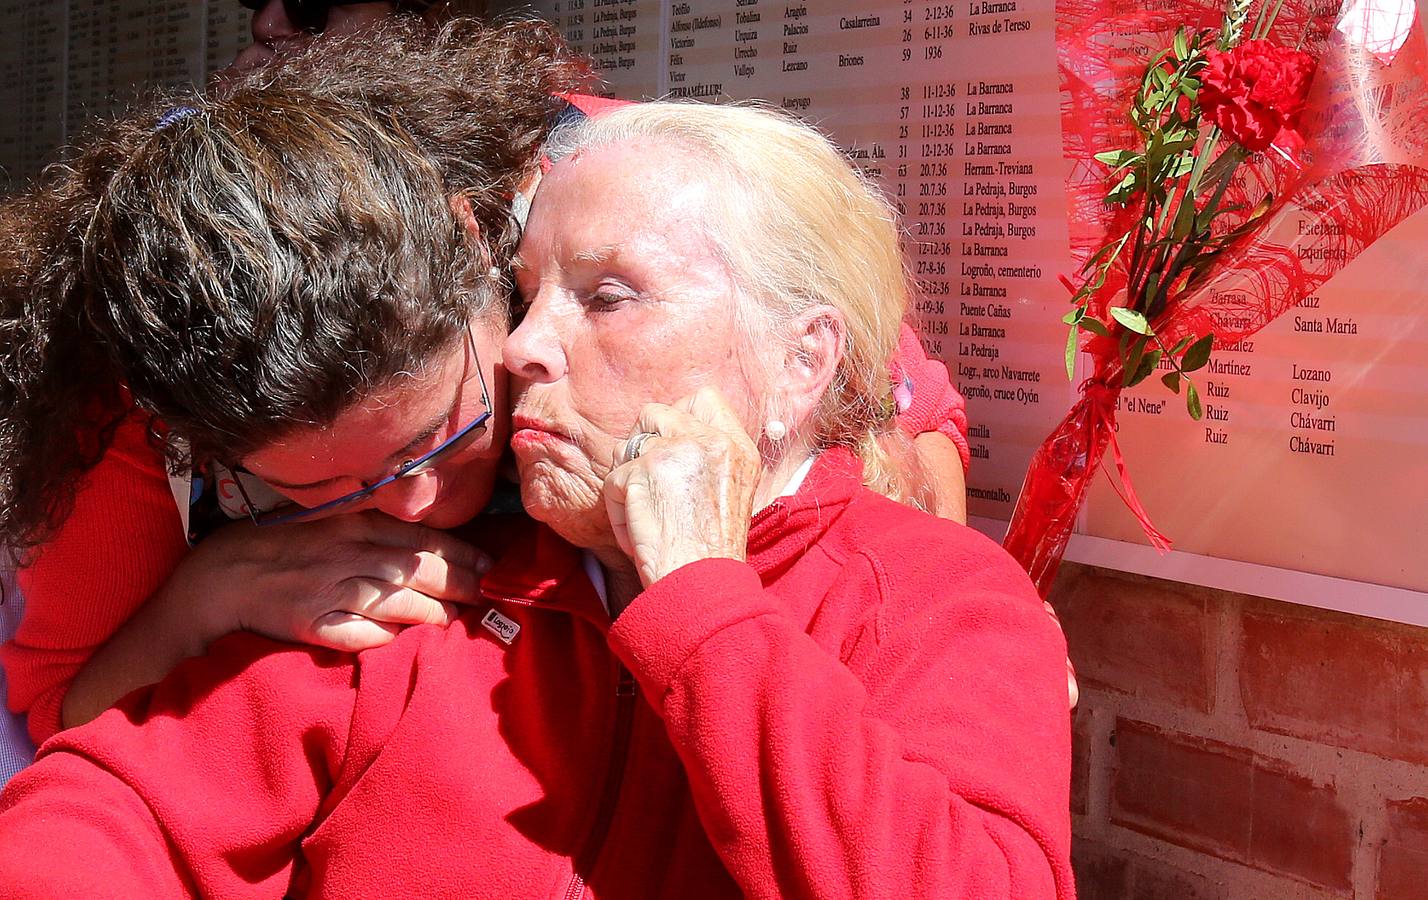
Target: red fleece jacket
873, 706
124, 539
119, 545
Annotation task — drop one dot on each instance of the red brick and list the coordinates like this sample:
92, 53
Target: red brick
1226, 801
1080, 759
1193, 793
1403, 859
1301, 829
1336, 679
1102, 873
1147, 639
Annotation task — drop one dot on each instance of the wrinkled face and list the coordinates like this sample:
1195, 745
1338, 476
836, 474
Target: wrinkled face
626, 303
276, 34
401, 422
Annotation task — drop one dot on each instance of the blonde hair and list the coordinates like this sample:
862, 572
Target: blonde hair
798, 227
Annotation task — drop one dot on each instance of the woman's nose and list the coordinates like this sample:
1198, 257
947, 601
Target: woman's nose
409, 499
271, 24
533, 351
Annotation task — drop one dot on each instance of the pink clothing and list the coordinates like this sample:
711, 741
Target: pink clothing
873, 706
932, 404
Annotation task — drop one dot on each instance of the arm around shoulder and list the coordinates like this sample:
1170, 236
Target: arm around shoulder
201, 785
119, 544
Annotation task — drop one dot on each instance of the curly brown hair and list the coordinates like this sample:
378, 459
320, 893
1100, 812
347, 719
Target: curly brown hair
241, 265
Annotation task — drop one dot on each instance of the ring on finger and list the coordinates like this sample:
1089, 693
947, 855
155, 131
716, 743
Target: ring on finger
636, 445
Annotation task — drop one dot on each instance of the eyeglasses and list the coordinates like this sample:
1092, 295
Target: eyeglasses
292, 512
309, 15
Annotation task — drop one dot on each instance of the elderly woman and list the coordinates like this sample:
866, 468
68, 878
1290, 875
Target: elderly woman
724, 666
863, 699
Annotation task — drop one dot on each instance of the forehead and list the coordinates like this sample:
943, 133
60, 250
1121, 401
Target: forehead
363, 436
647, 192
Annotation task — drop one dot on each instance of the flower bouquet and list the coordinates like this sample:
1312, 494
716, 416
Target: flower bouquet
1227, 161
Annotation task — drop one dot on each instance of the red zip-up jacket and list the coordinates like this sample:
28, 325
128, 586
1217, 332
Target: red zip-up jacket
124, 538
873, 706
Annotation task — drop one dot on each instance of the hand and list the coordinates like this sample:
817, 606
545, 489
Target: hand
689, 494
350, 582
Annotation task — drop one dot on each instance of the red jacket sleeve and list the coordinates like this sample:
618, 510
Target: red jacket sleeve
932, 763
201, 786
119, 545
927, 401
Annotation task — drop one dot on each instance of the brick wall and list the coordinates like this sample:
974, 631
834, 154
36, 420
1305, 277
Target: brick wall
1234, 748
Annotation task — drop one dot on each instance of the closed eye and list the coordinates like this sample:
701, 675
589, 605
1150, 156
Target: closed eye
606, 300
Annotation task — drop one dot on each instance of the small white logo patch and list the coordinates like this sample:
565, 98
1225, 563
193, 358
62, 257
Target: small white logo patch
503, 628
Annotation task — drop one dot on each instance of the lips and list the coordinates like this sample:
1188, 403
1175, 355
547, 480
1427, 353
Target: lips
521, 422
529, 431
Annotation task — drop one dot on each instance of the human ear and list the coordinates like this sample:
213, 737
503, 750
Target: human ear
813, 351
466, 217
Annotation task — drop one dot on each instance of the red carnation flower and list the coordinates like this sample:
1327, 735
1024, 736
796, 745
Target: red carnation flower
1255, 90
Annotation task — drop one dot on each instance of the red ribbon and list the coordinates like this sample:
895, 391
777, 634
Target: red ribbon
1102, 400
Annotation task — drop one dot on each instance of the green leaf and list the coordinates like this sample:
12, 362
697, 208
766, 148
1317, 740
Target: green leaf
1130, 366
1181, 165
1198, 354
1118, 159
1152, 284
1260, 208
1145, 368
1192, 401
1180, 345
1182, 46
1113, 249
1152, 70
1184, 219
1093, 325
1180, 140
1074, 315
1071, 354
1131, 319
1123, 191
1148, 364
1172, 381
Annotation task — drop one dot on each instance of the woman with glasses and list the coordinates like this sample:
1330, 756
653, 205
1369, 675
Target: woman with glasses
252, 283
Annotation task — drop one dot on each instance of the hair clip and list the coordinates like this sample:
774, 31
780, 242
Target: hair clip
177, 114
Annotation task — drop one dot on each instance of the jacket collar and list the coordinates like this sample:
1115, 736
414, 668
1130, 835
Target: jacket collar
784, 530
540, 569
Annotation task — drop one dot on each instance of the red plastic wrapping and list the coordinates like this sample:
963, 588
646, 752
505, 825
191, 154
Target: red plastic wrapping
1356, 167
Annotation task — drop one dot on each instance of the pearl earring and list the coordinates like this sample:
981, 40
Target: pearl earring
775, 430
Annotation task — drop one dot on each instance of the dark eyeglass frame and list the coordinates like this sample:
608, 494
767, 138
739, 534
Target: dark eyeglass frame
309, 15
412, 467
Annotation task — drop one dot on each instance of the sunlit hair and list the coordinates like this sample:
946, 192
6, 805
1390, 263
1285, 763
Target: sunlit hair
798, 227
255, 262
